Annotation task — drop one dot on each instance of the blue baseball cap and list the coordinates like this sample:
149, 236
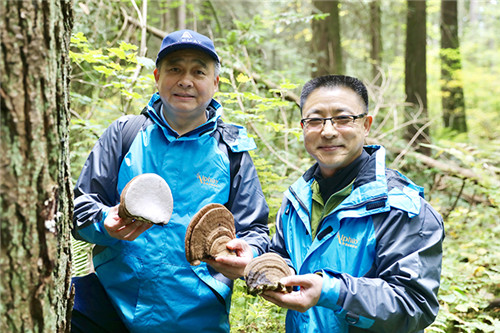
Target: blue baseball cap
186, 39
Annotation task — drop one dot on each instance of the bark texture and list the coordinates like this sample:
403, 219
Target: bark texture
376, 38
452, 100
416, 76
36, 191
325, 43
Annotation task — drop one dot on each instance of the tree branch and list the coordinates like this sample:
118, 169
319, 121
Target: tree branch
154, 31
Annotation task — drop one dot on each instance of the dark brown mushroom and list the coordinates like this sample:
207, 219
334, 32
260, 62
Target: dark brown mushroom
208, 233
147, 198
264, 273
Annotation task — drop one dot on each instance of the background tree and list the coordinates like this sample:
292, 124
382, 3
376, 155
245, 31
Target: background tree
416, 76
452, 101
376, 38
35, 181
325, 44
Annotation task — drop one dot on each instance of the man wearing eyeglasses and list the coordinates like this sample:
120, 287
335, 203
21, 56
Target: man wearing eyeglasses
365, 245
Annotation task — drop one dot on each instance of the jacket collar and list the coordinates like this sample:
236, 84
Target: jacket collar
370, 186
214, 111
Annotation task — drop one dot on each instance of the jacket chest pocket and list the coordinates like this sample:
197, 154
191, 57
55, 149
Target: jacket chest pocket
350, 249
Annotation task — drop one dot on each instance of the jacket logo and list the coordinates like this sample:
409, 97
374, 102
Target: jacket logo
207, 180
347, 241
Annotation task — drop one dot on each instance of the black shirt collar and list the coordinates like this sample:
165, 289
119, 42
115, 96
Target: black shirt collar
341, 178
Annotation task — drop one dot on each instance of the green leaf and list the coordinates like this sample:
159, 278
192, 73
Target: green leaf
242, 78
224, 80
118, 52
104, 70
128, 47
462, 307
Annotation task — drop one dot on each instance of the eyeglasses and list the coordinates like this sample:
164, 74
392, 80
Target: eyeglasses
316, 124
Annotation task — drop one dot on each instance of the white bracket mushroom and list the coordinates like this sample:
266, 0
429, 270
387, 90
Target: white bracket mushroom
147, 198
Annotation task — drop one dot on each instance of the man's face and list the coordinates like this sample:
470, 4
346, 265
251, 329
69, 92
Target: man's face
335, 148
186, 82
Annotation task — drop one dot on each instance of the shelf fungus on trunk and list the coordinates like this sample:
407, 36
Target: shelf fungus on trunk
264, 273
208, 233
147, 198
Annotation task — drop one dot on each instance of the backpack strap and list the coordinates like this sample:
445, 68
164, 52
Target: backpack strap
132, 127
224, 132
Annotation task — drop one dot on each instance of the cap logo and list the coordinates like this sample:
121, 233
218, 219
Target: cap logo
186, 35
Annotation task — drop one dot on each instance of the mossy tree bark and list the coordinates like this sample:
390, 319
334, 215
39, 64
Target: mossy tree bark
36, 191
452, 99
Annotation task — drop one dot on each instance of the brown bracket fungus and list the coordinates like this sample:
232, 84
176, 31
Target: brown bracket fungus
264, 273
208, 233
147, 198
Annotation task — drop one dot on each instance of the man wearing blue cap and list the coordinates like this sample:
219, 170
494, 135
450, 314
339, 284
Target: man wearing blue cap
141, 269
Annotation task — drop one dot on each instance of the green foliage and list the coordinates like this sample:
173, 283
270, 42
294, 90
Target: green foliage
471, 271
113, 68
106, 83
470, 277
254, 314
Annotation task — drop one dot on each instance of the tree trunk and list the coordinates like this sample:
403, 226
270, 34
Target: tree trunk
181, 15
473, 11
35, 192
452, 99
166, 15
376, 37
325, 44
416, 77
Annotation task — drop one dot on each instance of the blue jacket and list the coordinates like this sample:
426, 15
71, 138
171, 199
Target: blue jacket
379, 251
149, 280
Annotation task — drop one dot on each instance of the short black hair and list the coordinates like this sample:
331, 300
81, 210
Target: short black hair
330, 81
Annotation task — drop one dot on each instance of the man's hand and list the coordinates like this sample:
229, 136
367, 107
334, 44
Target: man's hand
302, 300
124, 229
233, 266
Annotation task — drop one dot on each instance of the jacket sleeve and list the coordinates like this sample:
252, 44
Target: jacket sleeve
248, 205
96, 188
399, 293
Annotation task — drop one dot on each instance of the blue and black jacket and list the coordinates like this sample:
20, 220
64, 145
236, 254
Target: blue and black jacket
149, 280
379, 253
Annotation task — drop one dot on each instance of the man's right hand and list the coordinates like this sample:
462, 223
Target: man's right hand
124, 229
301, 300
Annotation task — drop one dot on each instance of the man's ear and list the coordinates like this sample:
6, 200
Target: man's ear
368, 124
156, 74
216, 82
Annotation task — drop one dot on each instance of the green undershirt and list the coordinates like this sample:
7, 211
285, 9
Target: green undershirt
319, 210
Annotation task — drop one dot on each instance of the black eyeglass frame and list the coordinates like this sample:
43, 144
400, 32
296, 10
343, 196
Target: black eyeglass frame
332, 119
